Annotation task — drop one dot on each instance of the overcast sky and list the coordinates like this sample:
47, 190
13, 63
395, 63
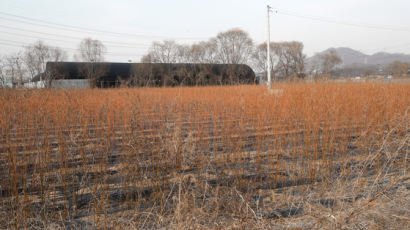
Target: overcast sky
128, 27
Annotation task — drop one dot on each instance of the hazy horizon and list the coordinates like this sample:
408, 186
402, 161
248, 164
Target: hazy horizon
128, 28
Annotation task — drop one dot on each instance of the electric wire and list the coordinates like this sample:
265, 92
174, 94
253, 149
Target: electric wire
22, 44
29, 20
327, 20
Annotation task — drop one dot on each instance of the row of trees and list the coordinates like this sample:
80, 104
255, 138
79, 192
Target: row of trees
17, 68
234, 46
399, 68
328, 64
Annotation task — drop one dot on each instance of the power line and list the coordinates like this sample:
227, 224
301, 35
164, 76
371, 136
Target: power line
327, 20
22, 44
61, 35
111, 44
51, 34
45, 26
129, 45
84, 29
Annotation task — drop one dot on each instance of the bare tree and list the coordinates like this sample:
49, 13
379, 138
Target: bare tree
147, 58
196, 53
233, 47
14, 69
291, 60
204, 52
183, 54
92, 52
287, 59
58, 55
329, 61
36, 57
398, 68
230, 47
298, 59
314, 69
258, 62
162, 52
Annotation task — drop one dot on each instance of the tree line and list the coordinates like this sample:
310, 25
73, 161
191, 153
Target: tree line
20, 67
234, 46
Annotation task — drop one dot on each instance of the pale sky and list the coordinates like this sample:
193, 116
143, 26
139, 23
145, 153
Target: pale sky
128, 27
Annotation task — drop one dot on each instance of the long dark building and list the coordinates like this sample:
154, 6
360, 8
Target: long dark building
105, 74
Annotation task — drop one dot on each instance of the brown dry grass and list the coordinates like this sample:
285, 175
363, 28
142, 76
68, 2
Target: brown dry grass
320, 155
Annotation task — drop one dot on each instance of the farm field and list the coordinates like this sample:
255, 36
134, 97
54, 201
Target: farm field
306, 155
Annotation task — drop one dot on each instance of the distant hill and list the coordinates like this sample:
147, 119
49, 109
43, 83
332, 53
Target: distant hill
354, 57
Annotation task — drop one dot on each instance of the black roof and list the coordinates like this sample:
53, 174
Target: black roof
151, 74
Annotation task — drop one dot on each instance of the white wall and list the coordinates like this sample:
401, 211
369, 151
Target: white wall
70, 84
61, 84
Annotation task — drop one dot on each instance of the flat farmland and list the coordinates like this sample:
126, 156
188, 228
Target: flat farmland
305, 155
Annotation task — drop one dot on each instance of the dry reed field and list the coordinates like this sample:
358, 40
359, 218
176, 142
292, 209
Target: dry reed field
306, 156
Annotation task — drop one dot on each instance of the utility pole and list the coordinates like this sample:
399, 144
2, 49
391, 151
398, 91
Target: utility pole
268, 71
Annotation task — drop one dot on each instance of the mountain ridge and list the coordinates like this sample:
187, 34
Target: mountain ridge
350, 57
